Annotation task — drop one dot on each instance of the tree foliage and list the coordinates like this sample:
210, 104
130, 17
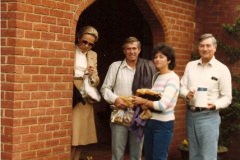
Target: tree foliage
231, 115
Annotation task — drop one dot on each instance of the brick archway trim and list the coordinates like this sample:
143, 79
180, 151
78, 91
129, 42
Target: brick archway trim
152, 4
160, 16
80, 8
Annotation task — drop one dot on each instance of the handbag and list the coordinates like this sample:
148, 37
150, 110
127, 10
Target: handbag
77, 97
90, 91
122, 117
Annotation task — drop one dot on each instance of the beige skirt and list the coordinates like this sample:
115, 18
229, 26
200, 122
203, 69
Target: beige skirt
83, 125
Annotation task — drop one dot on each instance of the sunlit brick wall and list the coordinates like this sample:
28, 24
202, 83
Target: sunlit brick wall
37, 63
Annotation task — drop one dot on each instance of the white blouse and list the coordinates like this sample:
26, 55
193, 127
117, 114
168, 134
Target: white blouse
80, 63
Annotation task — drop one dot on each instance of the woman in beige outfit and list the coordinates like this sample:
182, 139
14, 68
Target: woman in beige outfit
83, 128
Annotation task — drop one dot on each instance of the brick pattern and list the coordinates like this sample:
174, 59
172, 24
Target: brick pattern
37, 64
212, 20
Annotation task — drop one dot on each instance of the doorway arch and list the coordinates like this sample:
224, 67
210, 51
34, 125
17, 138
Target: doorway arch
116, 20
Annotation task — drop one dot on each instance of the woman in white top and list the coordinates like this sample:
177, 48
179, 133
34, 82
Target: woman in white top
83, 125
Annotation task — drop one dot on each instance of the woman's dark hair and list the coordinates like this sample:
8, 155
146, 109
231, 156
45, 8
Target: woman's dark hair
167, 51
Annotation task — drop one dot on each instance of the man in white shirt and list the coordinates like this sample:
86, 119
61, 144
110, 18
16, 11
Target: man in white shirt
123, 79
211, 77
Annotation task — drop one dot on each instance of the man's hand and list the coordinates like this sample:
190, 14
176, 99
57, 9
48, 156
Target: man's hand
190, 95
211, 107
119, 103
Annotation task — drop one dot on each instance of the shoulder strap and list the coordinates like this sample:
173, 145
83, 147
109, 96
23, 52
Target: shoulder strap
155, 77
117, 75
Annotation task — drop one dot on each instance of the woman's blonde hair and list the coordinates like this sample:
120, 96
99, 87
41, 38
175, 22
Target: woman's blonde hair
88, 30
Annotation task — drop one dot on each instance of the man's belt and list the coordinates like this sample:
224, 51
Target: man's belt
196, 109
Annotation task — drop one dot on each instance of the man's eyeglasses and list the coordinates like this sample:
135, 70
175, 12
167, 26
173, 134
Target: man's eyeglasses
87, 43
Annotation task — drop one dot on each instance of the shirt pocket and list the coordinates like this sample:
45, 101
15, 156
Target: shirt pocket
213, 84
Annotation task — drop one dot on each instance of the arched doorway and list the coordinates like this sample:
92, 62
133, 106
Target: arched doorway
116, 20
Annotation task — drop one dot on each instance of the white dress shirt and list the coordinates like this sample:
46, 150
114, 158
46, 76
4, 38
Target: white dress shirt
124, 80
215, 76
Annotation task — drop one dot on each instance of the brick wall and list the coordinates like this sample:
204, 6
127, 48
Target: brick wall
211, 20
37, 64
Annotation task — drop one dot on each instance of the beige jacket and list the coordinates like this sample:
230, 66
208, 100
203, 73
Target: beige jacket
92, 61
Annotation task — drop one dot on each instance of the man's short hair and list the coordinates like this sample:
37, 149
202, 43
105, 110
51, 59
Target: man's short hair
206, 36
131, 40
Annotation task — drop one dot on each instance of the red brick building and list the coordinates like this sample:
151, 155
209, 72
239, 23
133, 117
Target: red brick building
37, 49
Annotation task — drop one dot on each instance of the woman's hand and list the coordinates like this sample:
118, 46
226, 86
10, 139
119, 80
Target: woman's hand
138, 100
145, 104
91, 70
